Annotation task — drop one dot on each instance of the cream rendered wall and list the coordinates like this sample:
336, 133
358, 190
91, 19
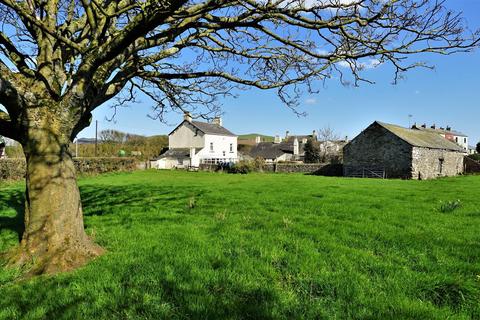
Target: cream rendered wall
184, 137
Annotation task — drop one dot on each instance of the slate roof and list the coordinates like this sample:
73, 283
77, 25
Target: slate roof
176, 153
270, 150
208, 128
440, 131
421, 138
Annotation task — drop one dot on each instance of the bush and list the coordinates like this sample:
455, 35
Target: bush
14, 169
245, 166
475, 157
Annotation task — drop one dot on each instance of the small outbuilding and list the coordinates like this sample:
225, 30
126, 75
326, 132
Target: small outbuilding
391, 151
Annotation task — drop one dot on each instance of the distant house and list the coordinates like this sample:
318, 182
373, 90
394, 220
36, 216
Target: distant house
459, 138
395, 152
291, 148
86, 140
193, 142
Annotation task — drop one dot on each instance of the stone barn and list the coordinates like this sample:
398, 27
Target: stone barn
390, 151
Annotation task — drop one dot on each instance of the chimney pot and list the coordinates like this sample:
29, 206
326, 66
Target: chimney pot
187, 117
287, 134
217, 121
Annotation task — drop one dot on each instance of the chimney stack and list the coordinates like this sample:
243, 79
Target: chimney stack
187, 117
424, 126
287, 134
258, 139
296, 149
433, 126
217, 121
314, 135
277, 139
448, 128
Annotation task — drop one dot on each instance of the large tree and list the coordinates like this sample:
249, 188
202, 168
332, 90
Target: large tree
61, 59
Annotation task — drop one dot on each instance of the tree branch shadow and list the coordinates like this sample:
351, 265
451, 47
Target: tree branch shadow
12, 199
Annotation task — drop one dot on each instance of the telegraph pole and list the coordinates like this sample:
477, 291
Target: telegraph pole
96, 136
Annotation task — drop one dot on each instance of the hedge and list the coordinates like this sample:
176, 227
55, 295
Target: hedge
14, 169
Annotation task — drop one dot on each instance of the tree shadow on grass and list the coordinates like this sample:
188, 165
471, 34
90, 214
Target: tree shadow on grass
12, 199
105, 200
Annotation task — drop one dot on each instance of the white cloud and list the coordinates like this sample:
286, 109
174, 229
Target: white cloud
310, 101
363, 65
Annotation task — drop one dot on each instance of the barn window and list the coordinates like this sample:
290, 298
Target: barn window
440, 165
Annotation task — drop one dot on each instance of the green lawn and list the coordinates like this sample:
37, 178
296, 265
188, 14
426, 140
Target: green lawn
260, 246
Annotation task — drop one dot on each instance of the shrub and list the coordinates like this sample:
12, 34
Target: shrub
245, 166
14, 169
475, 157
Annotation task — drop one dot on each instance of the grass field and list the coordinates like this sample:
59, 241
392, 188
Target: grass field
261, 246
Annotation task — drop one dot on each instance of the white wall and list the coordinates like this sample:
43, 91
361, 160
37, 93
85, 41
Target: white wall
462, 141
221, 144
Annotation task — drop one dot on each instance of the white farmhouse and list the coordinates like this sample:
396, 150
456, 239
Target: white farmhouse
192, 143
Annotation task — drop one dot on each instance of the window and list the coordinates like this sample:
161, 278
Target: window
231, 147
456, 139
464, 140
224, 153
440, 165
211, 146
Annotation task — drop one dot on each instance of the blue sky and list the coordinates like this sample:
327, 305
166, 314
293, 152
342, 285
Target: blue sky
448, 95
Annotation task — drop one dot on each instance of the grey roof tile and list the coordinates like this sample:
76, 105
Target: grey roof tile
210, 128
421, 138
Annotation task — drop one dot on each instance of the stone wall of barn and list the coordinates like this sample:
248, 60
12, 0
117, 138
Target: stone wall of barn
434, 163
377, 149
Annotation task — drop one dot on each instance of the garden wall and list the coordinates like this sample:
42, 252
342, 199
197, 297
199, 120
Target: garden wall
14, 169
325, 169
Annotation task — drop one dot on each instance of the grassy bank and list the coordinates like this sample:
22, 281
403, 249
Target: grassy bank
261, 246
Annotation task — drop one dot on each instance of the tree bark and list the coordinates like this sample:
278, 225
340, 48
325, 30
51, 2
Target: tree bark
54, 239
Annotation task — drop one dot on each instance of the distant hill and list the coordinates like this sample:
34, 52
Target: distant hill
252, 136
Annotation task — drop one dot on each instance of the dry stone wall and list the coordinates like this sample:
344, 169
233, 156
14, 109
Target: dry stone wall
434, 163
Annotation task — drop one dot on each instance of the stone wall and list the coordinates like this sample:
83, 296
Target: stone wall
325, 169
377, 149
426, 163
14, 169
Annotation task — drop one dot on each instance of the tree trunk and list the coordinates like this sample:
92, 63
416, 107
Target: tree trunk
54, 239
